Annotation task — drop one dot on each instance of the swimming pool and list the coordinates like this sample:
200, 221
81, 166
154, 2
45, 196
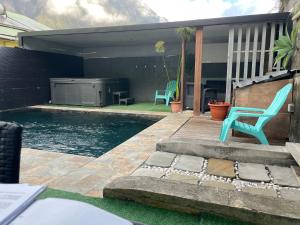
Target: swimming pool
88, 134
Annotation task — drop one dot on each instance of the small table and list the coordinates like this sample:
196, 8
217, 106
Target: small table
118, 95
126, 101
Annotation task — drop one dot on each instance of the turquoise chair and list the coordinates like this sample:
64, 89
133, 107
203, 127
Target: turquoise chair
166, 94
263, 115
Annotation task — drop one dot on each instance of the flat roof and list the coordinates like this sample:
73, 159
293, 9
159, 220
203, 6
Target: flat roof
166, 25
83, 40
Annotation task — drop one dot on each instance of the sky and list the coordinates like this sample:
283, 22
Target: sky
176, 10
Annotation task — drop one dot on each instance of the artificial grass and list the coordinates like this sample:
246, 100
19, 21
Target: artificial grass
142, 213
143, 106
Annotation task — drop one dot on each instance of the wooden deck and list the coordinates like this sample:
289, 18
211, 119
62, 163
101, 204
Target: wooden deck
202, 127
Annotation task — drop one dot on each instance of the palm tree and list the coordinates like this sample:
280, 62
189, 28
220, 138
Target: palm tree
186, 34
161, 49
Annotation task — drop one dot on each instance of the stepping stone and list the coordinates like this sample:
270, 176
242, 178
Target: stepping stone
191, 179
284, 176
220, 167
253, 172
148, 173
290, 194
218, 185
260, 191
189, 163
161, 159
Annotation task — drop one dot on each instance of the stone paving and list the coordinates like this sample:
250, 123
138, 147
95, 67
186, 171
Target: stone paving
253, 172
88, 175
221, 167
253, 178
100, 110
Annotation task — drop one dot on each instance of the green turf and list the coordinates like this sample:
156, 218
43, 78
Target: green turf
142, 213
143, 106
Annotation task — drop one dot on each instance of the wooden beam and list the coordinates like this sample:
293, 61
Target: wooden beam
238, 55
229, 65
182, 79
247, 46
254, 54
198, 71
280, 33
262, 50
272, 37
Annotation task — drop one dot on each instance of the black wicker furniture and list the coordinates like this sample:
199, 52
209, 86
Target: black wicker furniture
10, 152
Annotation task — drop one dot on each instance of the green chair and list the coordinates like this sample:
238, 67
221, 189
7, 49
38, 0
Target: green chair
263, 115
166, 94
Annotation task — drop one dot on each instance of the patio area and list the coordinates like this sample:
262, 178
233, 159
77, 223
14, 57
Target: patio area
88, 175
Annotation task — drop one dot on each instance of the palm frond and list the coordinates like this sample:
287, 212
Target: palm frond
186, 33
160, 47
286, 46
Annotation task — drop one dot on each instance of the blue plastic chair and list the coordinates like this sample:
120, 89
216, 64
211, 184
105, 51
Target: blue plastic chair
166, 94
263, 115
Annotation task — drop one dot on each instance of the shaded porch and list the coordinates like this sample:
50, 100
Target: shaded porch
128, 52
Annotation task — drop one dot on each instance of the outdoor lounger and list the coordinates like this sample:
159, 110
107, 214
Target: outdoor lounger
263, 115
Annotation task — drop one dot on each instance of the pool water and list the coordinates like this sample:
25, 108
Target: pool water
87, 134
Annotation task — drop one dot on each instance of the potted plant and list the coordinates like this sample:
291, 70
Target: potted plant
218, 109
186, 34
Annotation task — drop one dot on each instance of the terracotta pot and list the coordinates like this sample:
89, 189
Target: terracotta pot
219, 110
176, 106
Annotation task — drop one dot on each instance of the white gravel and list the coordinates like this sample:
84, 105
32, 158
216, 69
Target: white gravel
237, 182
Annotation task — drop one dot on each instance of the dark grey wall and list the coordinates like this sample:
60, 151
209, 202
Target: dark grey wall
146, 74
24, 75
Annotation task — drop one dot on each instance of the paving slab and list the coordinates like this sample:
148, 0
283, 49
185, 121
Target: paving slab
241, 152
161, 159
284, 176
253, 172
290, 194
191, 179
148, 173
189, 163
221, 167
260, 191
218, 185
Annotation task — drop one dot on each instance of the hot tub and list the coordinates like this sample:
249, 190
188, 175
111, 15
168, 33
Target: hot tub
86, 91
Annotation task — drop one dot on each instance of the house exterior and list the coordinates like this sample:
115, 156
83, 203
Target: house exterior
12, 23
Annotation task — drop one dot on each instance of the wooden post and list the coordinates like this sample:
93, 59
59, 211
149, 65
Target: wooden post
182, 80
229, 65
262, 50
271, 55
247, 47
198, 71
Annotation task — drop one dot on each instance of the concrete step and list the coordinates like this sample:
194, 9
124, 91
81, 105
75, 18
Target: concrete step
294, 149
258, 206
242, 152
